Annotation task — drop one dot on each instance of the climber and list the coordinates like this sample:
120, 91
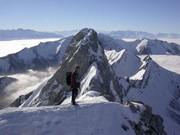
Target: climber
75, 84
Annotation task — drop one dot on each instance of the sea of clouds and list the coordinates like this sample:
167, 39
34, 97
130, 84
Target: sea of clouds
25, 84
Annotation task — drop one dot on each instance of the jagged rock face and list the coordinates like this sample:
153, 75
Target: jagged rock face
86, 51
149, 123
20, 100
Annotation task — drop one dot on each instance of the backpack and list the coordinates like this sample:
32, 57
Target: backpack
68, 78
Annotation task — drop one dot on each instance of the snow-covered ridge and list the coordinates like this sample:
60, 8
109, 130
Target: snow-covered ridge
93, 115
37, 58
149, 46
140, 47
124, 63
152, 84
157, 88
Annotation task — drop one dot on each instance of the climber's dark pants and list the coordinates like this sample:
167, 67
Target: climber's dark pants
74, 94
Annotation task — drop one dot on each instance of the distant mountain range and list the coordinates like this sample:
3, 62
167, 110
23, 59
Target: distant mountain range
25, 34
32, 34
126, 34
140, 34
66, 33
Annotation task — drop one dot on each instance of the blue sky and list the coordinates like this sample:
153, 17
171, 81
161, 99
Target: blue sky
54, 15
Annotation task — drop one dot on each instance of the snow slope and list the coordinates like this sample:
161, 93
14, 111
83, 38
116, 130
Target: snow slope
94, 115
124, 63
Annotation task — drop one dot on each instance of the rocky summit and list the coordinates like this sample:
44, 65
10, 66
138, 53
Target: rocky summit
85, 51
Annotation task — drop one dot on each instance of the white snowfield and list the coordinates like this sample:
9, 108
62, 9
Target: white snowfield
93, 115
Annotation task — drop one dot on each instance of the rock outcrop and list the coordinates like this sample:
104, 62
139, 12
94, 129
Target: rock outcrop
149, 123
